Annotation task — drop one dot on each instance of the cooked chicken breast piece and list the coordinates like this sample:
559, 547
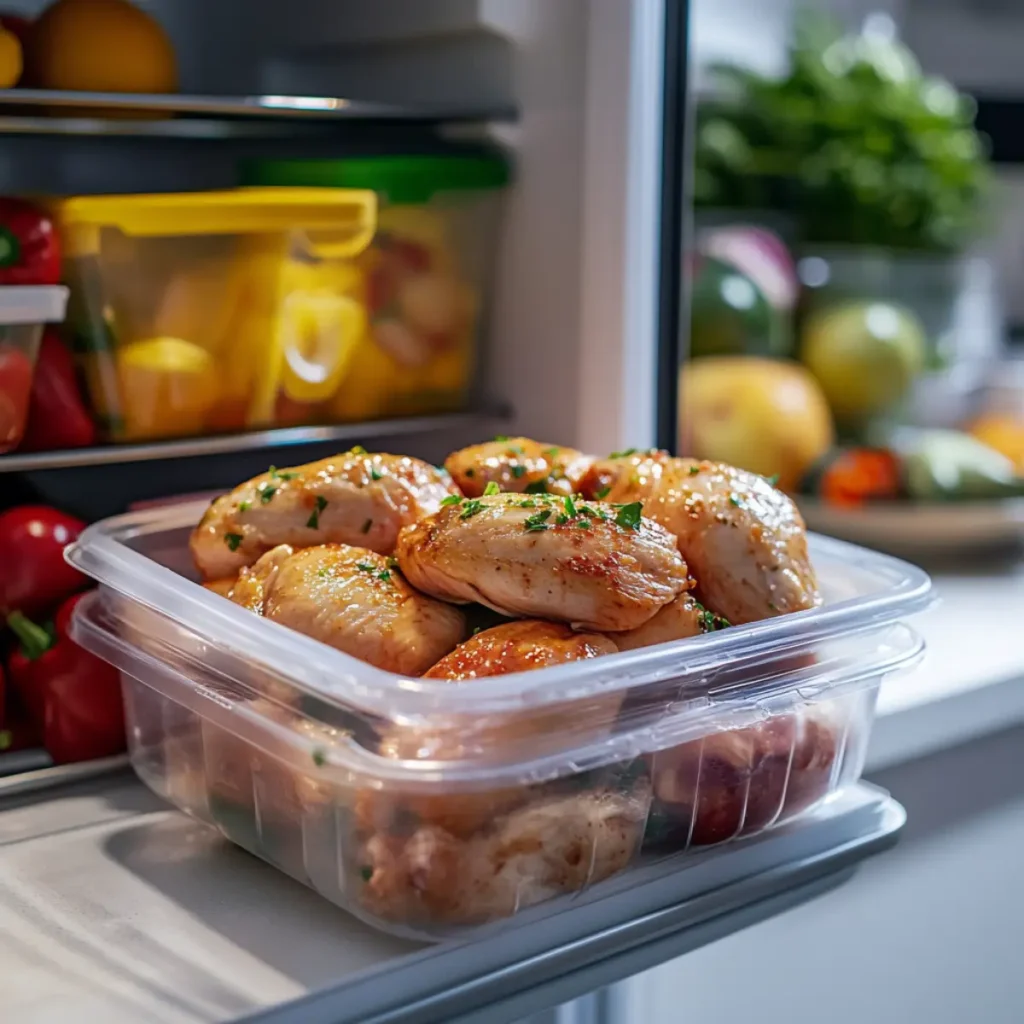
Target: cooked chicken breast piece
513, 647
743, 539
355, 601
683, 618
250, 588
553, 846
591, 565
221, 586
355, 498
517, 465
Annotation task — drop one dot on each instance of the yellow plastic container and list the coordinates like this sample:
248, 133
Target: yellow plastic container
214, 311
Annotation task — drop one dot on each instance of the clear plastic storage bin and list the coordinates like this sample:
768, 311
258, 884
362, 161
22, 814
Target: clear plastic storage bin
428, 275
426, 807
204, 312
24, 309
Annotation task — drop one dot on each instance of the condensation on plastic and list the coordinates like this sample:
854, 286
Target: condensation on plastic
425, 807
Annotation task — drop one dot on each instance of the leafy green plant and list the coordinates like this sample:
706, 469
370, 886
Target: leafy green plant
855, 143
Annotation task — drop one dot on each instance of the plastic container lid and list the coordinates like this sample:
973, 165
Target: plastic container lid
33, 304
400, 179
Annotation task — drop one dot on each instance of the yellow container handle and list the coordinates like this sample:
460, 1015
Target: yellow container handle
350, 212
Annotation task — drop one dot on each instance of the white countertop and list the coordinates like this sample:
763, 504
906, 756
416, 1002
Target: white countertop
971, 681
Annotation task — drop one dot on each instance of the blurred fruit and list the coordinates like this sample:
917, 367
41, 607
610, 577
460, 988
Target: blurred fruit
730, 315
1004, 434
766, 416
10, 59
865, 356
762, 256
100, 46
850, 477
322, 332
167, 387
18, 25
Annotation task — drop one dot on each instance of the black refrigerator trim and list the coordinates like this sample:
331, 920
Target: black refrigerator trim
674, 230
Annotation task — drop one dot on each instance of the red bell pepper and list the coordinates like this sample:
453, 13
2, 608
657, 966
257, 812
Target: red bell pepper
73, 695
57, 414
29, 245
33, 574
15, 392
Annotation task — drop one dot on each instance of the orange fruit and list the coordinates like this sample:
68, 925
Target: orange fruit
10, 59
100, 46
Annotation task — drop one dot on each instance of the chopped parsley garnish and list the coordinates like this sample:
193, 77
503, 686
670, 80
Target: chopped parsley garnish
471, 472
281, 474
322, 573
476, 629
550, 452
313, 522
527, 503
694, 470
773, 480
735, 500
233, 540
562, 519
471, 508
623, 454
583, 524
319, 757
570, 505
366, 527
384, 574
492, 488
392, 562
375, 473
500, 437
452, 499
711, 623
244, 506
366, 567
517, 470
537, 487
366, 872
266, 493
515, 449
603, 493
628, 516
538, 520
357, 449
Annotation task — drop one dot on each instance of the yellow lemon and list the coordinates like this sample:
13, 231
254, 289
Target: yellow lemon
167, 387
100, 46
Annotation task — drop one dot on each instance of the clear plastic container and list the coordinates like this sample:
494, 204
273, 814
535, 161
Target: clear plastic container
203, 312
426, 807
24, 309
428, 275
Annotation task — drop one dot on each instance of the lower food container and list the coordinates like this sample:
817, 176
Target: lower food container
24, 309
426, 807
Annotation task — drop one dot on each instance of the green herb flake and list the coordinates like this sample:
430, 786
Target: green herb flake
623, 454
518, 470
357, 449
583, 524
375, 473
492, 488
476, 629
313, 522
500, 438
527, 503
384, 574
392, 562
233, 540
322, 573
366, 872
570, 506
562, 519
735, 500
538, 521
537, 487
694, 470
551, 453
367, 526
773, 480
452, 499
266, 493
603, 493
628, 516
244, 506
281, 474
515, 449
366, 566
471, 508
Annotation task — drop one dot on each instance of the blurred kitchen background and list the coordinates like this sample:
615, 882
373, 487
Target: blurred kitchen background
857, 312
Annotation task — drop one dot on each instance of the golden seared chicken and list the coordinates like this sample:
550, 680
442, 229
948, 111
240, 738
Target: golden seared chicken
355, 498
743, 539
355, 601
591, 565
222, 586
556, 845
684, 617
519, 465
513, 647
250, 587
